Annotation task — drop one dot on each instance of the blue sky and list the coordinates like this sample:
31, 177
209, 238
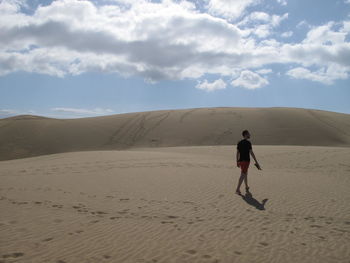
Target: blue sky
71, 59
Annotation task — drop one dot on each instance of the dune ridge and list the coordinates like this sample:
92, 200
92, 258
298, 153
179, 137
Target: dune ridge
28, 135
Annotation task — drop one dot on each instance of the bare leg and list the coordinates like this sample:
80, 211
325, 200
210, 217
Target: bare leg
240, 181
246, 181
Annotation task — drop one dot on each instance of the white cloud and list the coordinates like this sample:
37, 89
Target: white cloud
96, 111
346, 27
12, 6
165, 40
258, 16
323, 47
262, 31
302, 24
264, 71
325, 35
325, 75
261, 24
7, 112
58, 112
282, 2
276, 19
4, 113
347, 1
287, 34
262, 17
325, 50
215, 85
231, 9
249, 80
154, 40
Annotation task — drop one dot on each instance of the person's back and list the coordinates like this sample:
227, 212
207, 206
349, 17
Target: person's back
244, 146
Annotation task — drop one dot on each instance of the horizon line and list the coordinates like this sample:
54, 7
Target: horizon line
174, 109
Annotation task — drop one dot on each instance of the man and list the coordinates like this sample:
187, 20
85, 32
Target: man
244, 150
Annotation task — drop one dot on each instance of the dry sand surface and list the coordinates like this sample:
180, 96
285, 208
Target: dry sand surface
26, 136
176, 205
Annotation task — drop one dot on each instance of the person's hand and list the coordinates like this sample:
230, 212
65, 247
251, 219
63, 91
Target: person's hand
258, 166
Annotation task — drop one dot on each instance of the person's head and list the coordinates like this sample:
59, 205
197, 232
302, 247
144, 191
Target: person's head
246, 134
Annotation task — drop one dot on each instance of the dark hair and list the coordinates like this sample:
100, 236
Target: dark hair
245, 132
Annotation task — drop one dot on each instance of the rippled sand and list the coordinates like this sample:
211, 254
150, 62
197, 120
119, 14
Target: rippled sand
176, 205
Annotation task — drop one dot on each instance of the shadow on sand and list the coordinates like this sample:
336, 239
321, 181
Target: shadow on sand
248, 197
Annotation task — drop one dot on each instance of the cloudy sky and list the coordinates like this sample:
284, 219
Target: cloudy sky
79, 58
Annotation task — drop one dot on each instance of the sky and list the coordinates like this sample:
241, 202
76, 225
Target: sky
80, 58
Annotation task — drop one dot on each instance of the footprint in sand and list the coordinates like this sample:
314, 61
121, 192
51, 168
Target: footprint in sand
316, 226
167, 222
80, 208
13, 255
264, 244
20, 203
57, 206
99, 213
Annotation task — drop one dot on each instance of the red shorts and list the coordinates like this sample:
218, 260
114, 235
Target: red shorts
244, 166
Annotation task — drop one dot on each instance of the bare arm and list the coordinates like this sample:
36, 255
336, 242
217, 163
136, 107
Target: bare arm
253, 155
237, 156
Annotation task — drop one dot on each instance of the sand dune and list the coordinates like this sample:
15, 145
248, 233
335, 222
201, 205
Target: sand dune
24, 136
176, 205
83, 201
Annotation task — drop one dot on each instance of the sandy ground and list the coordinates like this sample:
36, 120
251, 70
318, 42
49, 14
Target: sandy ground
176, 205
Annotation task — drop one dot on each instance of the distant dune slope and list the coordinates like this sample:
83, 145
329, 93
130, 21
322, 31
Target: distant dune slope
26, 135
